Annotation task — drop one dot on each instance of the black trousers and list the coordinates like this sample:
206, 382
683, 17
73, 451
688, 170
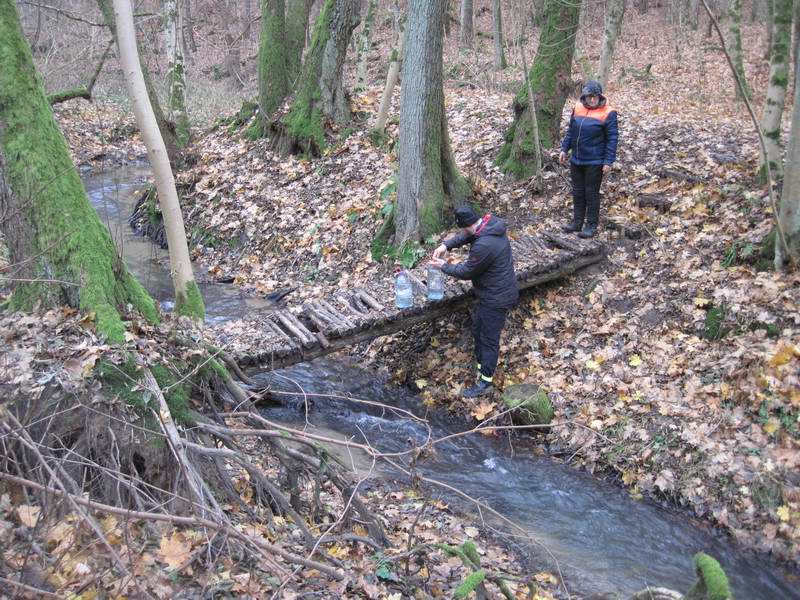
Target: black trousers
586, 181
487, 323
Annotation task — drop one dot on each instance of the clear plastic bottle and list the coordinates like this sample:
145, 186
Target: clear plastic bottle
403, 292
435, 284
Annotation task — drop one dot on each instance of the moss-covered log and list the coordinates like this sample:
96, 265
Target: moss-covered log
320, 91
429, 184
550, 77
66, 95
66, 254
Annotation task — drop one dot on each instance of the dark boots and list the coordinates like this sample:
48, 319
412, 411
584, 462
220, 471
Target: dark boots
589, 231
479, 389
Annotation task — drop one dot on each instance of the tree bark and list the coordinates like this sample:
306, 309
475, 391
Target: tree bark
364, 46
735, 31
497, 26
164, 126
550, 77
789, 214
55, 237
176, 71
188, 30
466, 32
296, 26
395, 61
273, 59
320, 90
429, 183
776, 90
188, 300
615, 12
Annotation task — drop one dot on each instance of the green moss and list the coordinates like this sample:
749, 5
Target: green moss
71, 243
176, 394
712, 583
533, 405
273, 76
304, 123
469, 584
191, 303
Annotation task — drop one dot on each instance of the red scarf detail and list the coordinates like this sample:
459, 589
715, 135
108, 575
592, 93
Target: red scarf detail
484, 220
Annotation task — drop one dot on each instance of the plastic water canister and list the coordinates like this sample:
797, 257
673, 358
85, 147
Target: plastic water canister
403, 293
435, 284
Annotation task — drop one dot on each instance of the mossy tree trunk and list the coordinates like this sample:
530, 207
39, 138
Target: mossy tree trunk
273, 58
497, 26
176, 70
735, 31
364, 44
188, 300
550, 79
429, 183
615, 12
166, 128
466, 32
776, 90
62, 252
320, 90
789, 214
296, 27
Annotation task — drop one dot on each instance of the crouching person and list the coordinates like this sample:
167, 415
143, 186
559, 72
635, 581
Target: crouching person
490, 267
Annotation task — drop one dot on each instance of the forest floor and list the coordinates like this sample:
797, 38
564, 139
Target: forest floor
677, 358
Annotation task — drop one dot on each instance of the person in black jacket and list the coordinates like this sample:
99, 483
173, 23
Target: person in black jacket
490, 266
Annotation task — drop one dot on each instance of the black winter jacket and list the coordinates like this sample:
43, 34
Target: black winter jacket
489, 265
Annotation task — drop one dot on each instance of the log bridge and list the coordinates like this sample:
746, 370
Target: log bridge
322, 326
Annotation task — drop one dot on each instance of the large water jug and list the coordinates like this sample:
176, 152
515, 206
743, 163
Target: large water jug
403, 292
435, 284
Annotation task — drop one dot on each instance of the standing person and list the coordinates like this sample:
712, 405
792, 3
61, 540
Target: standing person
592, 137
490, 266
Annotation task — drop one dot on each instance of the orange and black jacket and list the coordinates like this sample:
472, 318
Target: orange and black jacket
592, 134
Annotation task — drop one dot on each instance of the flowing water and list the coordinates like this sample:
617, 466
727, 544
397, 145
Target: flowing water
602, 540
113, 194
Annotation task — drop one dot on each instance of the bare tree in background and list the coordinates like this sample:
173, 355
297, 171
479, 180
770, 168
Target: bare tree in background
789, 215
497, 28
176, 70
466, 32
615, 13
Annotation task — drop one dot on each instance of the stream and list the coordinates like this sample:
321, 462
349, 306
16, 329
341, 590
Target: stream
603, 540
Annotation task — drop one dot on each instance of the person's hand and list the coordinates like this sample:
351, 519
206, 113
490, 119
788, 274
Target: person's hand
437, 263
562, 158
440, 251
606, 169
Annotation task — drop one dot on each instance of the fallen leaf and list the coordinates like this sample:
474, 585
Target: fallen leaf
28, 515
635, 360
783, 513
174, 550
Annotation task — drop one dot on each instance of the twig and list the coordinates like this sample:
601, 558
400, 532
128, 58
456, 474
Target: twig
29, 588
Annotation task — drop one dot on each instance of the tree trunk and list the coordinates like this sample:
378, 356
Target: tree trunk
296, 27
550, 77
776, 91
395, 60
273, 59
188, 300
364, 46
176, 72
796, 36
643, 7
615, 12
770, 26
320, 90
735, 30
497, 23
429, 183
164, 126
56, 240
188, 28
789, 214
466, 31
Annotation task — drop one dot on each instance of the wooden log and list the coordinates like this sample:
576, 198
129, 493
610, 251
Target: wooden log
300, 326
657, 201
287, 323
318, 321
369, 300
352, 312
335, 314
419, 286
565, 242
